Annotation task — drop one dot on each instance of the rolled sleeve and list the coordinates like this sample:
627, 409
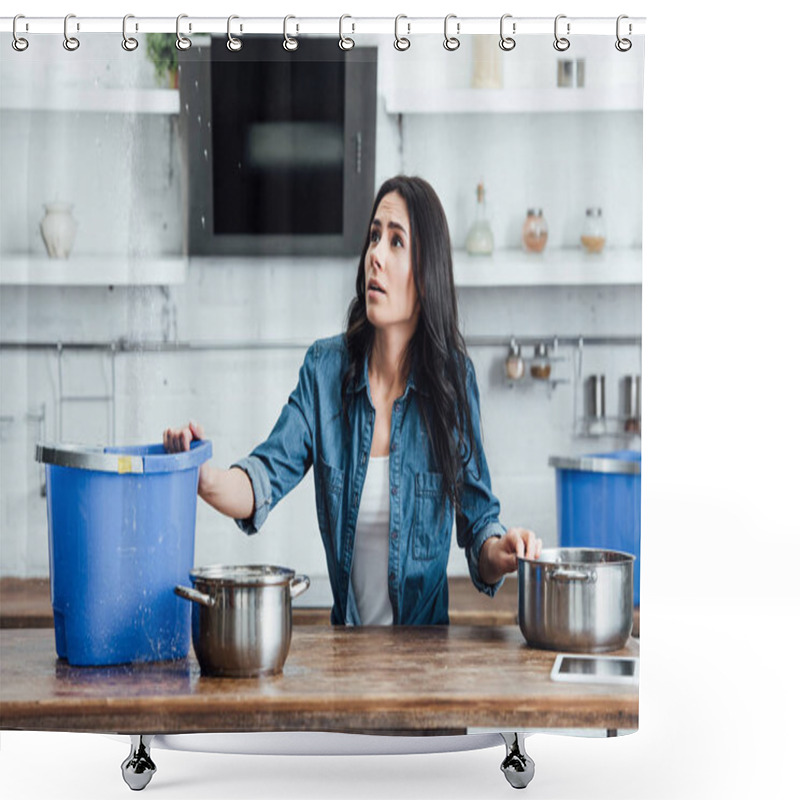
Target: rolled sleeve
262, 491
473, 558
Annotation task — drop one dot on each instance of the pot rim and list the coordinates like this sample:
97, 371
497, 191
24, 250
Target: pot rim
243, 574
618, 557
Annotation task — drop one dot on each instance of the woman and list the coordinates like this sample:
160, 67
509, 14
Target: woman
388, 415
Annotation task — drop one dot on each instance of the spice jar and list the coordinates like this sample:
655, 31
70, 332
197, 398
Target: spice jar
540, 366
515, 366
534, 231
593, 237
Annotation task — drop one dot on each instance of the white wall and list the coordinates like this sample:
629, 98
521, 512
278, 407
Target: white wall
125, 179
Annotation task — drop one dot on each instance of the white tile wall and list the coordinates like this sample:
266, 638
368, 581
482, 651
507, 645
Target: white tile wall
125, 180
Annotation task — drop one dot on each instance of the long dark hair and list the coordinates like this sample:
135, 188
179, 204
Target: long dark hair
437, 351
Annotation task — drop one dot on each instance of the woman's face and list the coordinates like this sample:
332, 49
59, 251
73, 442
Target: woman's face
390, 291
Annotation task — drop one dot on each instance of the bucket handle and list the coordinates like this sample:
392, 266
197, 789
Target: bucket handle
192, 594
568, 575
299, 585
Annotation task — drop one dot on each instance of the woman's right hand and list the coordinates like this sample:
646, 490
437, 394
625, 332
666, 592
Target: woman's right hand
176, 440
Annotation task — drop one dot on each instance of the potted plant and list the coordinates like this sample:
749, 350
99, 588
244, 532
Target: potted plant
162, 52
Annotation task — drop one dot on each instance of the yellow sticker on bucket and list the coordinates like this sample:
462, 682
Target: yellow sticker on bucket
124, 464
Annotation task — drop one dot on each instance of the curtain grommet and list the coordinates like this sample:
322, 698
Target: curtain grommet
507, 43
401, 43
71, 43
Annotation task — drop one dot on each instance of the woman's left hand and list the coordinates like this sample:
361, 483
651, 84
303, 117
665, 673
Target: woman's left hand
499, 553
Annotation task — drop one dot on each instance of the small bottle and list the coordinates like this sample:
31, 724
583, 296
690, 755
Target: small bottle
480, 241
534, 231
593, 237
515, 366
540, 366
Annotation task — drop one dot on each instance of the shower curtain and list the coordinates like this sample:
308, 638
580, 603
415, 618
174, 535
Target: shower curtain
178, 225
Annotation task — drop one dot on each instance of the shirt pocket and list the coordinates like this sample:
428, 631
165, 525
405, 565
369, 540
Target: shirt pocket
428, 517
329, 496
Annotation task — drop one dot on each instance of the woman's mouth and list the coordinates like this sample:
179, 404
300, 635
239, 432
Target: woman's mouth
374, 289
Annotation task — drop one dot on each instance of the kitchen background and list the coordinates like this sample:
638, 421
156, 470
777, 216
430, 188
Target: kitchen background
96, 129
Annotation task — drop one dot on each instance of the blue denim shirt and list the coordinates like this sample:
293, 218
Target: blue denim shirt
311, 431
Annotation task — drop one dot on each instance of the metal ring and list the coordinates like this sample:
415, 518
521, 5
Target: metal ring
128, 42
18, 43
70, 42
623, 45
289, 43
233, 44
561, 43
345, 42
401, 43
506, 42
451, 43
181, 42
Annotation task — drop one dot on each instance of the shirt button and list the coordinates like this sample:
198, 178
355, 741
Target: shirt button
394, 534
364, 458
394, 490
393, 447
391, 577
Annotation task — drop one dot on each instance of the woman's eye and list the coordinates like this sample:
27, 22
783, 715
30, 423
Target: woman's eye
397, 242
374, 236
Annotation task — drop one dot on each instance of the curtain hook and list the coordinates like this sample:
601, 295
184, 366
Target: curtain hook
70, 42
506, 42
18, 43
623, 45
345, 42
288, 42
451, 43
561, 43
233, 44
181, 42
401, 43
128, 42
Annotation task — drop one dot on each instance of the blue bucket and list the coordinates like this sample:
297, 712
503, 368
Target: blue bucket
599, 503
121, 526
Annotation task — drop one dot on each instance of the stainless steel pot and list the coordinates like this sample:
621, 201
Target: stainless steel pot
576, 599
242, 617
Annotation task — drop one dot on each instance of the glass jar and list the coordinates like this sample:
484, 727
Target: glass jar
515, 366
540, 366
534, 231
593, 237
480, 241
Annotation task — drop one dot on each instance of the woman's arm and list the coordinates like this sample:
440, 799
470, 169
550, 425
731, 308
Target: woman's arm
229, 491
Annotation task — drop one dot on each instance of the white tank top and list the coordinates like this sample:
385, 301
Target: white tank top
369, 573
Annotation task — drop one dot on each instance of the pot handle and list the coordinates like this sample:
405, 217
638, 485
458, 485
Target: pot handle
195, 596
298, 585
568, 575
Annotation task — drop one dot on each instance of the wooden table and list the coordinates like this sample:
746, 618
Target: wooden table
394, 679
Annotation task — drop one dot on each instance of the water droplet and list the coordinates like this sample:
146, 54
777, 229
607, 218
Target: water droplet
186, 108
203, 222
199, 120
240, 165
196, 85
205, 154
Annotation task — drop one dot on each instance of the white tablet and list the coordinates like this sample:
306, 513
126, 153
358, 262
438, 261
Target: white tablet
576, 668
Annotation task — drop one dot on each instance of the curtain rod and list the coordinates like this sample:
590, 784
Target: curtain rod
348, 25
149, 346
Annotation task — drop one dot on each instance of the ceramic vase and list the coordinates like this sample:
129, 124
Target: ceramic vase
58, 229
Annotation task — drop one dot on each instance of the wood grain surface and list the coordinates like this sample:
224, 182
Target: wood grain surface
413, 680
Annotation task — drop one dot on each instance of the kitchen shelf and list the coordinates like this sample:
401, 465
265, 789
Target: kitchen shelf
511, 101
106, 101
567, 267
25, 270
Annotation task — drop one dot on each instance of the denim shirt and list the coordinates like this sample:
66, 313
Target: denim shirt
311, 431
